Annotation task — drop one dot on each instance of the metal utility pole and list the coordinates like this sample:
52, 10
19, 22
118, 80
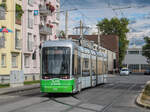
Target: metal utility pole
81, 29
99, 38
66, 25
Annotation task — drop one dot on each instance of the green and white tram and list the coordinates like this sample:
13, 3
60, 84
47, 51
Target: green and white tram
68, 68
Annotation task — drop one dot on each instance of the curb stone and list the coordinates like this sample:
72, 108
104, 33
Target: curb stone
18, 89
138, 99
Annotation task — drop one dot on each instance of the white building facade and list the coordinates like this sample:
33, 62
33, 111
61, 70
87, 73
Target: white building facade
40, 23
135, 61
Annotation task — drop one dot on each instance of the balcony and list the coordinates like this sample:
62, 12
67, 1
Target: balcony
45, 30
30, 23
18, 43
2, 42
31, 2
44, 10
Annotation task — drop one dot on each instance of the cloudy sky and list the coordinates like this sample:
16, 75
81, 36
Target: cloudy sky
92, 11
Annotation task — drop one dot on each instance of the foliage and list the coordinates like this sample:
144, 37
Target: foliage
117, 27
4, 85
19, 11
146, 49
62, 34
3, 5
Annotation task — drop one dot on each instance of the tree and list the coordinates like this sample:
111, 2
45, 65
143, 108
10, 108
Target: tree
117, 27
146, 48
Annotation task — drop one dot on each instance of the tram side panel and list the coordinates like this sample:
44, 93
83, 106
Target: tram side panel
86, 82
100, 70
77, 70
93, 67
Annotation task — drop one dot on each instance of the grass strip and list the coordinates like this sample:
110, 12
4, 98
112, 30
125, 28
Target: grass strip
4, 85
31, 82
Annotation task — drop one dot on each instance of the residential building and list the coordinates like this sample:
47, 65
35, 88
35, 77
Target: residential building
10, 43
134, 60
40, 23
31, 39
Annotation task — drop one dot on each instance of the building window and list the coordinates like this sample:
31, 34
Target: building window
17, 40
29, 42
3, 60
30, 19
26, 61
14, 60
133, 52
145, 67
134, 67
3, 0
34, 63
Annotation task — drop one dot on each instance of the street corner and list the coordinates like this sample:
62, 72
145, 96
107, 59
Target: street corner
143, 99
140, 103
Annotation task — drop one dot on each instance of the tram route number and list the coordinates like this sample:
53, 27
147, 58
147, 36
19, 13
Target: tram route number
55, 82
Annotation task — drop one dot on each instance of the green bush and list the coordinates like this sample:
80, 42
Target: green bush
19, 12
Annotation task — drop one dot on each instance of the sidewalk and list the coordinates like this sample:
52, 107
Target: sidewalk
22, 88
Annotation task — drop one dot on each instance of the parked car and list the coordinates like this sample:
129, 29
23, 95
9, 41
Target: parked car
147, 72
124, 71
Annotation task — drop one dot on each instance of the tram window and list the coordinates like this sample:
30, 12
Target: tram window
76, 63
85, 68
79, 66
56, 61
86, 62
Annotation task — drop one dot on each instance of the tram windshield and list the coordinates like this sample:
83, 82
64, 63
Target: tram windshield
56, 61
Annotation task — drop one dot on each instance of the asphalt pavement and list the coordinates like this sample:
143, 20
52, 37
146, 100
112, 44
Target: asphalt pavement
117, 95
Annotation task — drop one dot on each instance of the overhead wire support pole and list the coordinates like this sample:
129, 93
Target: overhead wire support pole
66, 25
66, 21
99, 37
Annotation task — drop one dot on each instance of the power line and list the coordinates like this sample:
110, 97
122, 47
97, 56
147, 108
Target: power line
64, 3
80, 11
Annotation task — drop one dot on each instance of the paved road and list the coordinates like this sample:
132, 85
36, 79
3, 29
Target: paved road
118, 95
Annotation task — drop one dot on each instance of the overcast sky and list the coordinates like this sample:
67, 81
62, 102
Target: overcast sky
92, 11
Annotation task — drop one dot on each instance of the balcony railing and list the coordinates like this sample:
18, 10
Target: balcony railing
45, 30
44, 10
31, 2
18, 43
2, 42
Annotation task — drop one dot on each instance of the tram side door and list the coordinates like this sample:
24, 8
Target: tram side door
77, 70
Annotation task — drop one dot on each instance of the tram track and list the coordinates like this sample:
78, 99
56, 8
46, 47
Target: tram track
107, 86
55, 98
108, 106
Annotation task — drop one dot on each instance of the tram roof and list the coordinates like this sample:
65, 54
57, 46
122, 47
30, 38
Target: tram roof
58, 43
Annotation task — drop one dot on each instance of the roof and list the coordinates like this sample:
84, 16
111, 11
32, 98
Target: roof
107, 41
